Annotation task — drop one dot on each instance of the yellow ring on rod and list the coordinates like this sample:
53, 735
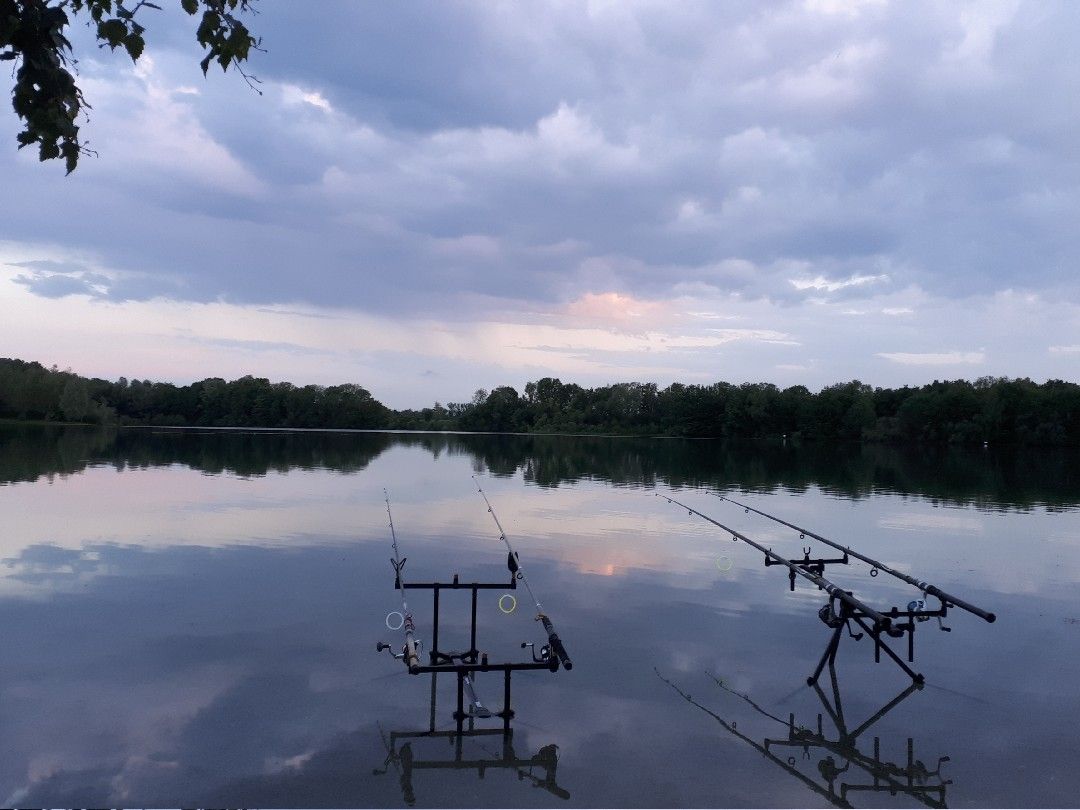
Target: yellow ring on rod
513, 603
724, 563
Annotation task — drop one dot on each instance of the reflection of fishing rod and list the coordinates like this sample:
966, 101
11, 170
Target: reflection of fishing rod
408, 652
881, 622
910, 780
925, 587
405, 758
514, 564
830, 797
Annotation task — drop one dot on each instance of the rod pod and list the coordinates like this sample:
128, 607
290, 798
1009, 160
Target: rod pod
925, 587
881, 621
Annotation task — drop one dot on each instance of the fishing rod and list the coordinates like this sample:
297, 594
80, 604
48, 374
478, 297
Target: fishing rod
925, 587
408, 651
881, 621
513, 562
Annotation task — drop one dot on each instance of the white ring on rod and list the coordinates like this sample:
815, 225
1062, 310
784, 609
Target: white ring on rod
724, 563
399, 625
513, 603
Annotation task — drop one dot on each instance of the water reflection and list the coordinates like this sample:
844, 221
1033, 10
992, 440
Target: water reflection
999, 477
496, 751
913, 779
179, 636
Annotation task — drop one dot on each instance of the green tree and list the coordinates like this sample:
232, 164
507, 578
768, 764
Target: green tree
46, 96
75, 400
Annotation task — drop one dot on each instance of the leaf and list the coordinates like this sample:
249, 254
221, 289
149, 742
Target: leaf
70, 150
205, 63
134, 45
190, 6
113, 32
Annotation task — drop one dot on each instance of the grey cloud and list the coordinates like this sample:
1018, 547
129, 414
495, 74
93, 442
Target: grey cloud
838, 142
59, 285
53, 267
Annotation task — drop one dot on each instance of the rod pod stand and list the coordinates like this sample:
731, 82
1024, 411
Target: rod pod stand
843, 608
839, 616
465, 664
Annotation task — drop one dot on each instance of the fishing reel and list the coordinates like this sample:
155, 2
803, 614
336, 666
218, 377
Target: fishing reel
545, 652
919, 612
382, 645
834, 620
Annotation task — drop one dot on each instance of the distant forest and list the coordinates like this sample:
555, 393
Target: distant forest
990, 409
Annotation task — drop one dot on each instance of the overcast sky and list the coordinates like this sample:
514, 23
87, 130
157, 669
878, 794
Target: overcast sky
431, 198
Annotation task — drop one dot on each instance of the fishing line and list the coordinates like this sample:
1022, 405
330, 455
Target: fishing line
519, 572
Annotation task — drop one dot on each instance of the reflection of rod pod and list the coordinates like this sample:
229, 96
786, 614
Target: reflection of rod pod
400, 755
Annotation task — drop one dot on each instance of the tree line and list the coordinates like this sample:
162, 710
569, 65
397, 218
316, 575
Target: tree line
996, 410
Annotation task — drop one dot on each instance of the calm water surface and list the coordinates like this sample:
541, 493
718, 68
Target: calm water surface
189, 618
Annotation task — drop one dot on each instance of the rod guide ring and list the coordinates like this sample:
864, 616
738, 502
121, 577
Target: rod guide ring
400, 616
513, 603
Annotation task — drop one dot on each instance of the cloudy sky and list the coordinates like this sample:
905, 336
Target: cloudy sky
431, 198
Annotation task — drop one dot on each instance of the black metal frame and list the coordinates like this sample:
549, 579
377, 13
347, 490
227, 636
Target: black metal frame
472, 660
839, 612
839, 621
813, 566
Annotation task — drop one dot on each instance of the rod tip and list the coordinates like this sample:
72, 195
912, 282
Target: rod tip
991, 618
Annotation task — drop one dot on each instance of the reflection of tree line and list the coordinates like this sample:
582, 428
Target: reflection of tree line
29, 452
988, 477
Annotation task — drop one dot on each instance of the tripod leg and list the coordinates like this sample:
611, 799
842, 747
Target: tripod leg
829, 656
879, 644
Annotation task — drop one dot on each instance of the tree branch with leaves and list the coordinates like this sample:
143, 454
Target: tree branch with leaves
46, 96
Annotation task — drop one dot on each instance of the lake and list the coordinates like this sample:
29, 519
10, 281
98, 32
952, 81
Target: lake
190, 618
